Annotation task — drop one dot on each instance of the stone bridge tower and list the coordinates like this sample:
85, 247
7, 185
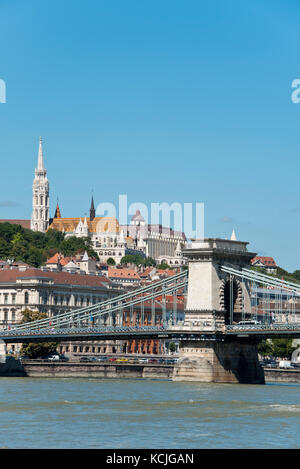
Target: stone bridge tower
215, 299
211, 292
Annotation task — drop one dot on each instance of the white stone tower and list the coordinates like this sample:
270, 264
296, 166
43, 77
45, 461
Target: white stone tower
40, 196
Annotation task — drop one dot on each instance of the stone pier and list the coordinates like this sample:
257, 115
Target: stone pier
215, 300
219, 362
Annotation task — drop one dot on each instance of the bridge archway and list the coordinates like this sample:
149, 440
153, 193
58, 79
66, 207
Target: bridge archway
231, 296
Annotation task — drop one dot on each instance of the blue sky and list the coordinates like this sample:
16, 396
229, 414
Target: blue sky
165, 101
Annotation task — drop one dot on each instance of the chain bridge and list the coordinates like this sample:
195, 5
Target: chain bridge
218, 310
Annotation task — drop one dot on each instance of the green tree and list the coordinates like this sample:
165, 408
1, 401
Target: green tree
133, 259
172, 347
36, 349
163, 266
279, 348
149, 262
110, 261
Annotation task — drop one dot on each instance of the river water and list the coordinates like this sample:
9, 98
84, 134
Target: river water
88, 413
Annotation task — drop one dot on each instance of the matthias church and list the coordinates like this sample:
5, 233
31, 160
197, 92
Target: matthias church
108, 238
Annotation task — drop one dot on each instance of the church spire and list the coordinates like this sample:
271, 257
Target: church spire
92, 210
57, 211
233, 236
40, 165
40, 195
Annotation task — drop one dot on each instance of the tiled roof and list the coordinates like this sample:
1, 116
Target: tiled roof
98, 224
114, 272
168, 272
59, 258
57, 277
267, 261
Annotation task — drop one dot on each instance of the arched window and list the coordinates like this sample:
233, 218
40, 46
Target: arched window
26, 298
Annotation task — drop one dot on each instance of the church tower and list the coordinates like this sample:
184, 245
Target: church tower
92, 210
40, 196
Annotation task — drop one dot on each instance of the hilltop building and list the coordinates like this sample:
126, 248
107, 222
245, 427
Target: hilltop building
108, 238
156, 241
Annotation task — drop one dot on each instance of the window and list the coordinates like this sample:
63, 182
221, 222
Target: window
26, 298
5, 298
13, 298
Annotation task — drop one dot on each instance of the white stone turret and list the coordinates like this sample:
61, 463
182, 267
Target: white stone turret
40, 196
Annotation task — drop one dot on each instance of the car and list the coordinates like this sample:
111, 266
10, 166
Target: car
102, 359
63, 358
143, 360
84, 359
53, 357
249, 323
153, 360
121, 360
111, 359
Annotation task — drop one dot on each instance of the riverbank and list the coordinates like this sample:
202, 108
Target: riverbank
50, 369
61, 369
282, 375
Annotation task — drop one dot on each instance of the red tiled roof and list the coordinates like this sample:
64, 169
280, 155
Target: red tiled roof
114, 272
57, 277
169, 272
59, 258
267, 261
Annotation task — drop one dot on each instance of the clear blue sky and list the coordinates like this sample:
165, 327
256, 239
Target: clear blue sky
186, 101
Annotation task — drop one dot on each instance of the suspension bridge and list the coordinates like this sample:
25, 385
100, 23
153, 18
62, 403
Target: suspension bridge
227, 308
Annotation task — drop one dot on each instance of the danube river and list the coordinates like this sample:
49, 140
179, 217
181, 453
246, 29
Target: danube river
111, 413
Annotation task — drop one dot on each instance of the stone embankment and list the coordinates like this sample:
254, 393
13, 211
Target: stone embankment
51, 369
282, 376
45, 369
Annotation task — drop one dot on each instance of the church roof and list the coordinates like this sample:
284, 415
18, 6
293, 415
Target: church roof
98, 224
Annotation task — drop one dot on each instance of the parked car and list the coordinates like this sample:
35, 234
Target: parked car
84, 359
270, 364
122, 360
143, 360
53, 357
111, 359
249, 322
102, 359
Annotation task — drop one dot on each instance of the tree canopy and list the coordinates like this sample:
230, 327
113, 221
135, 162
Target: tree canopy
138, 260
21, 244
278, 348
36, 349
